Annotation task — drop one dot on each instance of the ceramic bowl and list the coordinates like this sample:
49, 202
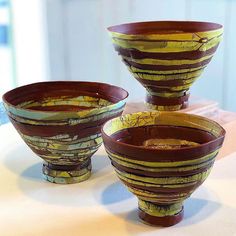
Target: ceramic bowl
61, 123
162, 157
166, 57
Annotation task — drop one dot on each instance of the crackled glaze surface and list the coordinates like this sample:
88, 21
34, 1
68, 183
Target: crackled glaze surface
166, 57
61, 122
162, 177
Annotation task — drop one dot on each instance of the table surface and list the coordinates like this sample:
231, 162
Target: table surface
101, 205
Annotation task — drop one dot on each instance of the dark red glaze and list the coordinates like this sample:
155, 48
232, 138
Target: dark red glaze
190, 153
164, 190
85, 129
164, 173
156, 29
153, 84
163, 155
164, 67
61, 108
164, 221
192, 55
68, 167
40, 91
138, 135
156, 100
164, 27
174, 177
54, 89
64, 130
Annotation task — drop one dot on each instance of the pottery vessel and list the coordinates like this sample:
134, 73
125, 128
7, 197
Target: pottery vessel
61, 123
162, 157
166, 57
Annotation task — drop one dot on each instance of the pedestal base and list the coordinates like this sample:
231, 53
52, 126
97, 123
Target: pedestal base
66, 174
160, 215
167, 103
165, 221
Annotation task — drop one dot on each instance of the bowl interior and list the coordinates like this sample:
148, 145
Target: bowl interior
163, 136
162, 130
64, 96
164, 27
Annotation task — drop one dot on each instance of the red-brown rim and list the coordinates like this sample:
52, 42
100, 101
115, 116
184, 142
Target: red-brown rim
5, 100
164, 27
204, 146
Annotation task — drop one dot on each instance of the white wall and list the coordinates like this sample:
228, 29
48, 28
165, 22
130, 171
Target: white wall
29, 40
6, 75
80, 49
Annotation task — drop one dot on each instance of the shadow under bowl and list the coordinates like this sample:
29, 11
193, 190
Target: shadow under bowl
162, 157
166, 57
61, 122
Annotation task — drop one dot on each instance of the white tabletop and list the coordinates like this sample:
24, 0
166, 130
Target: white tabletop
101, 205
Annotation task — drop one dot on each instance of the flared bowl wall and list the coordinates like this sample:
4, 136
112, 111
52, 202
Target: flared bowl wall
162, 157
166, 57
61, 123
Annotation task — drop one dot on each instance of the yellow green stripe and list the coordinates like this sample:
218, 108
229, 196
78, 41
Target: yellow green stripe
171, 186
41, 143
146, 193
150, 61
176, 37
162, 118
85, 101
167, 46
163, 108
41, 115
164, 72
68, 180
66, 174
160, 211
162, 169
175, 88
167, 94
167, 180
156, 77
165, 164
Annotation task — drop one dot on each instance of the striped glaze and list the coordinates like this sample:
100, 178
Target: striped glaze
162, 157
61, 122
166, 57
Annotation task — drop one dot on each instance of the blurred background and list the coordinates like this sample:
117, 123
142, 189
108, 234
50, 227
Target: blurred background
67, 40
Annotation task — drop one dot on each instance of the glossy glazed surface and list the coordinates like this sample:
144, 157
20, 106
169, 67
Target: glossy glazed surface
162, 157
61, 122
166, 57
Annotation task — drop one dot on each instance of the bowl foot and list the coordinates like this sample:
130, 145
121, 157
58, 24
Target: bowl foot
66, 174
160, 215
167, 103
